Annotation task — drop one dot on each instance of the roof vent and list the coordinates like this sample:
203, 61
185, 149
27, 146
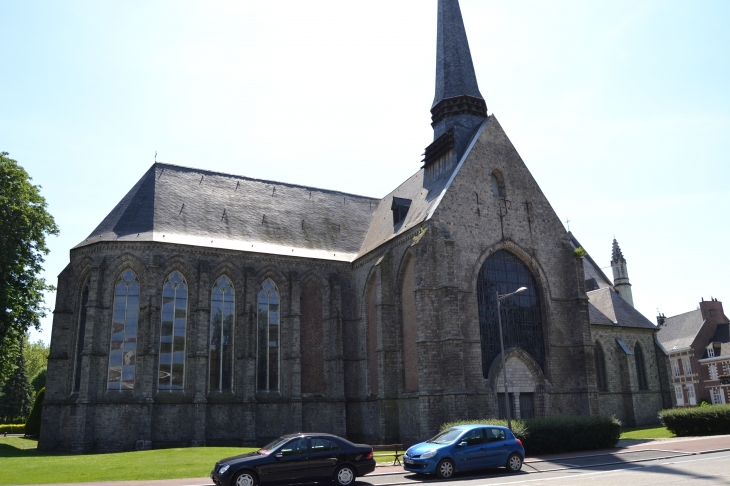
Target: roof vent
400, 208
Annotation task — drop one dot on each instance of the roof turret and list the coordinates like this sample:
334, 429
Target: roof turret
616, 255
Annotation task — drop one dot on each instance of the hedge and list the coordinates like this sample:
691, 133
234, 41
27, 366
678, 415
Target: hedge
12, 428
711, 420
33, 425
559, 434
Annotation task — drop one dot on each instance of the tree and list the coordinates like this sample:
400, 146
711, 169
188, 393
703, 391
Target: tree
24, 225
16, 397
36, 357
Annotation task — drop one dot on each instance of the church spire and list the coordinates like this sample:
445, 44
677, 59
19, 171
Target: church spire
620, 274
458, 101
458, 108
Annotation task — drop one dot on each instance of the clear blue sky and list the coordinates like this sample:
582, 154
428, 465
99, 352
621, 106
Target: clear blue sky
621, 110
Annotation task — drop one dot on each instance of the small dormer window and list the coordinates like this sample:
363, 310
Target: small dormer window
400, 208
710, 352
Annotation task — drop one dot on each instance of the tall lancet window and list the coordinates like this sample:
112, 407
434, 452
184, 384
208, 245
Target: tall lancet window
172, 333
221, 335
80, 335
123, 352
268, 337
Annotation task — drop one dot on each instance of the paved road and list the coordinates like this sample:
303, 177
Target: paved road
710, 469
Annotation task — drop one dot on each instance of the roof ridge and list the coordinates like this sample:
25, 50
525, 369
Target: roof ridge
265, 181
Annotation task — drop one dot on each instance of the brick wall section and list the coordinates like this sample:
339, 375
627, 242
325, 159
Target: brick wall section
408, 310
312, 340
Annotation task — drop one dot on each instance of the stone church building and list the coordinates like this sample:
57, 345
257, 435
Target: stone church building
212, 309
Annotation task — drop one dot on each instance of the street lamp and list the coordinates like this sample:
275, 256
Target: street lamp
501, 346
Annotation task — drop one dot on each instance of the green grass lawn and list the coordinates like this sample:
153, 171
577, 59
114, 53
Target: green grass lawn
22, 463
653, 432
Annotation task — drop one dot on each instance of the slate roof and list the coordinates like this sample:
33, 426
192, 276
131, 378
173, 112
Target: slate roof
680, 331
607, 307
590, 267
454, 67
188, 206
424, 202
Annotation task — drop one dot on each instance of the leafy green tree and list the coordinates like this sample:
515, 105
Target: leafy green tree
16, 397
36, 357
39, 381
24, 225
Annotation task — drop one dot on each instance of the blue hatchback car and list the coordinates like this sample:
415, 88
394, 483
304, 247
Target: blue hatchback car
465, 448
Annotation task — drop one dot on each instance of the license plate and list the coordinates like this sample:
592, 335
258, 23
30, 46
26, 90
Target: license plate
408, 461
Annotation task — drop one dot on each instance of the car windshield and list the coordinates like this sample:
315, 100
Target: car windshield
268, 448
446, 437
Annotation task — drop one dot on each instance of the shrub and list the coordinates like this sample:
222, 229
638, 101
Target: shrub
33, 425
710, 420
559, 434
12, 428
39, 381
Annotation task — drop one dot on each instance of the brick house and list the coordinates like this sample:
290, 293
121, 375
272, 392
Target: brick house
697, 343
212, 309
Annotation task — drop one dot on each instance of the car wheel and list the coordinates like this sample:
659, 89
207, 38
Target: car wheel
344, 476
514, 463
445, 469
244, 478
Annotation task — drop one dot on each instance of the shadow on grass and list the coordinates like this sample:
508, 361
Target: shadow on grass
23, 447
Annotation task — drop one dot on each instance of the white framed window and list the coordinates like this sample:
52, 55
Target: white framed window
680, 395
675, 366
713, 371
726, 367
691, 395
710, 352
687, 367
718, 397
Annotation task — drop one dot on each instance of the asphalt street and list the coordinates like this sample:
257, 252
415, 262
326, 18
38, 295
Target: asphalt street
612, 469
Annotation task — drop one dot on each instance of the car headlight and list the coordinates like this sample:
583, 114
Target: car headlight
429, 454
223, 469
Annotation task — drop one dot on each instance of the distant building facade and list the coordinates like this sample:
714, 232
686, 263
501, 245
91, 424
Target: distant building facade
216, 309
698, 344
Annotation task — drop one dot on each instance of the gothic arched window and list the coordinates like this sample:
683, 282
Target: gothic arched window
504, 273
640, 368
80, 335
600, 359
268, 337
408, 309
221, 335
173, 332
123, 349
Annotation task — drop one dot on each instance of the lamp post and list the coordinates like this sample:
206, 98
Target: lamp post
500, 298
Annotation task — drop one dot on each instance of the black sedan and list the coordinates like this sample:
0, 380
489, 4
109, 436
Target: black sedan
297, 458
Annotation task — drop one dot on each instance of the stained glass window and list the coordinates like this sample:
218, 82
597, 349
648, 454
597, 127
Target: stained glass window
504, 273
221, 335
80, 335
123, 351
172, 333
268, 337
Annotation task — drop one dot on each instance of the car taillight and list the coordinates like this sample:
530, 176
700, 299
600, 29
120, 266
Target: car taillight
519, 441
370, 455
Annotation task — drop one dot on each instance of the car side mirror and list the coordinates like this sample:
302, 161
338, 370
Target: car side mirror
279, 455
463, 444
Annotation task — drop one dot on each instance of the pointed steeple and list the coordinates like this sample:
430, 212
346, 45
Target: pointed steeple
458, 107
621, 274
